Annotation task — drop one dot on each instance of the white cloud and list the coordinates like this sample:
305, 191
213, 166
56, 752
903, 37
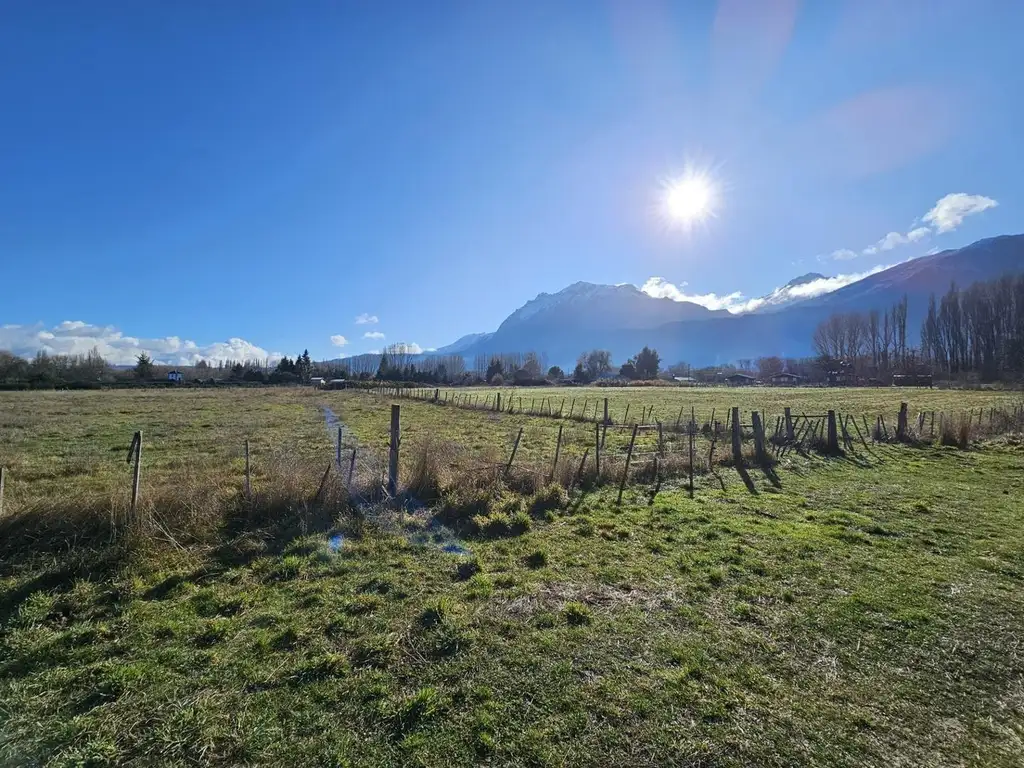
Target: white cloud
918, 234
737, 303
405, 348
338, 340
844, 254
887, 243
366, 319
75, 337
373, 335
950, 211
660, 288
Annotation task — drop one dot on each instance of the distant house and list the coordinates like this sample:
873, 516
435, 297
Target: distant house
176, 376
336, 384
912, 380
687, 381
740, 380
785, 379
318, 381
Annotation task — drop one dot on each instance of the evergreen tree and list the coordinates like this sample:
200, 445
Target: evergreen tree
143, 366
647, 364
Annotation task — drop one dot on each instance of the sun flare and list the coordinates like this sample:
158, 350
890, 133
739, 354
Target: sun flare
688, 200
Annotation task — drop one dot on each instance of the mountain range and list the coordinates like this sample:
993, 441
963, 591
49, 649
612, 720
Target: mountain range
622, 318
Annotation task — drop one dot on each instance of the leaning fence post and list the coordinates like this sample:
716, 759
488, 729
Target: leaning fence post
396, 428
136, 449
558, 447
351, 469
597, 450
579, 472
833, 433
789, 423
737, 437
629, 456
512, 457
437, 392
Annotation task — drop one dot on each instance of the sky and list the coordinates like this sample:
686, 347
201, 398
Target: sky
241, 180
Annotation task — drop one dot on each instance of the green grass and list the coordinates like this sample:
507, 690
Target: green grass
860, 611
667, 402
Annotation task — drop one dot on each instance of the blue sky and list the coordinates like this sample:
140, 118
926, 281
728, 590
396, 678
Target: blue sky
233, 178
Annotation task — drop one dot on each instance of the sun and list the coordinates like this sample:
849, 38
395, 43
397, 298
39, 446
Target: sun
688, 200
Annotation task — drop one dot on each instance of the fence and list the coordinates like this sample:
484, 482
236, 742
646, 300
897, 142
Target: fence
576, 451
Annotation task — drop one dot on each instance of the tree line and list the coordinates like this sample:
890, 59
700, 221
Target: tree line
972, 332
978, 330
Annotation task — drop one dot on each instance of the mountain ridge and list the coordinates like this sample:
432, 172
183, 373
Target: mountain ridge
705, 337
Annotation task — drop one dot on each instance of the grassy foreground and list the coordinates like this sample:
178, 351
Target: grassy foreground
853, 616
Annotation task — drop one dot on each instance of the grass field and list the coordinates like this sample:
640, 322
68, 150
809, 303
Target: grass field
667, 401
852, 611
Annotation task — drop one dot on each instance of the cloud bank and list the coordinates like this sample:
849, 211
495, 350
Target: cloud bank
737, 303
373, 335
75, 337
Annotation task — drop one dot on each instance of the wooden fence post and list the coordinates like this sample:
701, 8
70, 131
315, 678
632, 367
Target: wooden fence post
737, 437
136, 448
572, 407
597, 450
351, 469
579, 472
691, 430
629, 457
901, 423
558, 447
512, 456
833, 433
396, 436
497, 406
755, 419
789, 423
625, 419
437, 393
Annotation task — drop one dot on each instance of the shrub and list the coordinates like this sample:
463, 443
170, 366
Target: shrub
549, 498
